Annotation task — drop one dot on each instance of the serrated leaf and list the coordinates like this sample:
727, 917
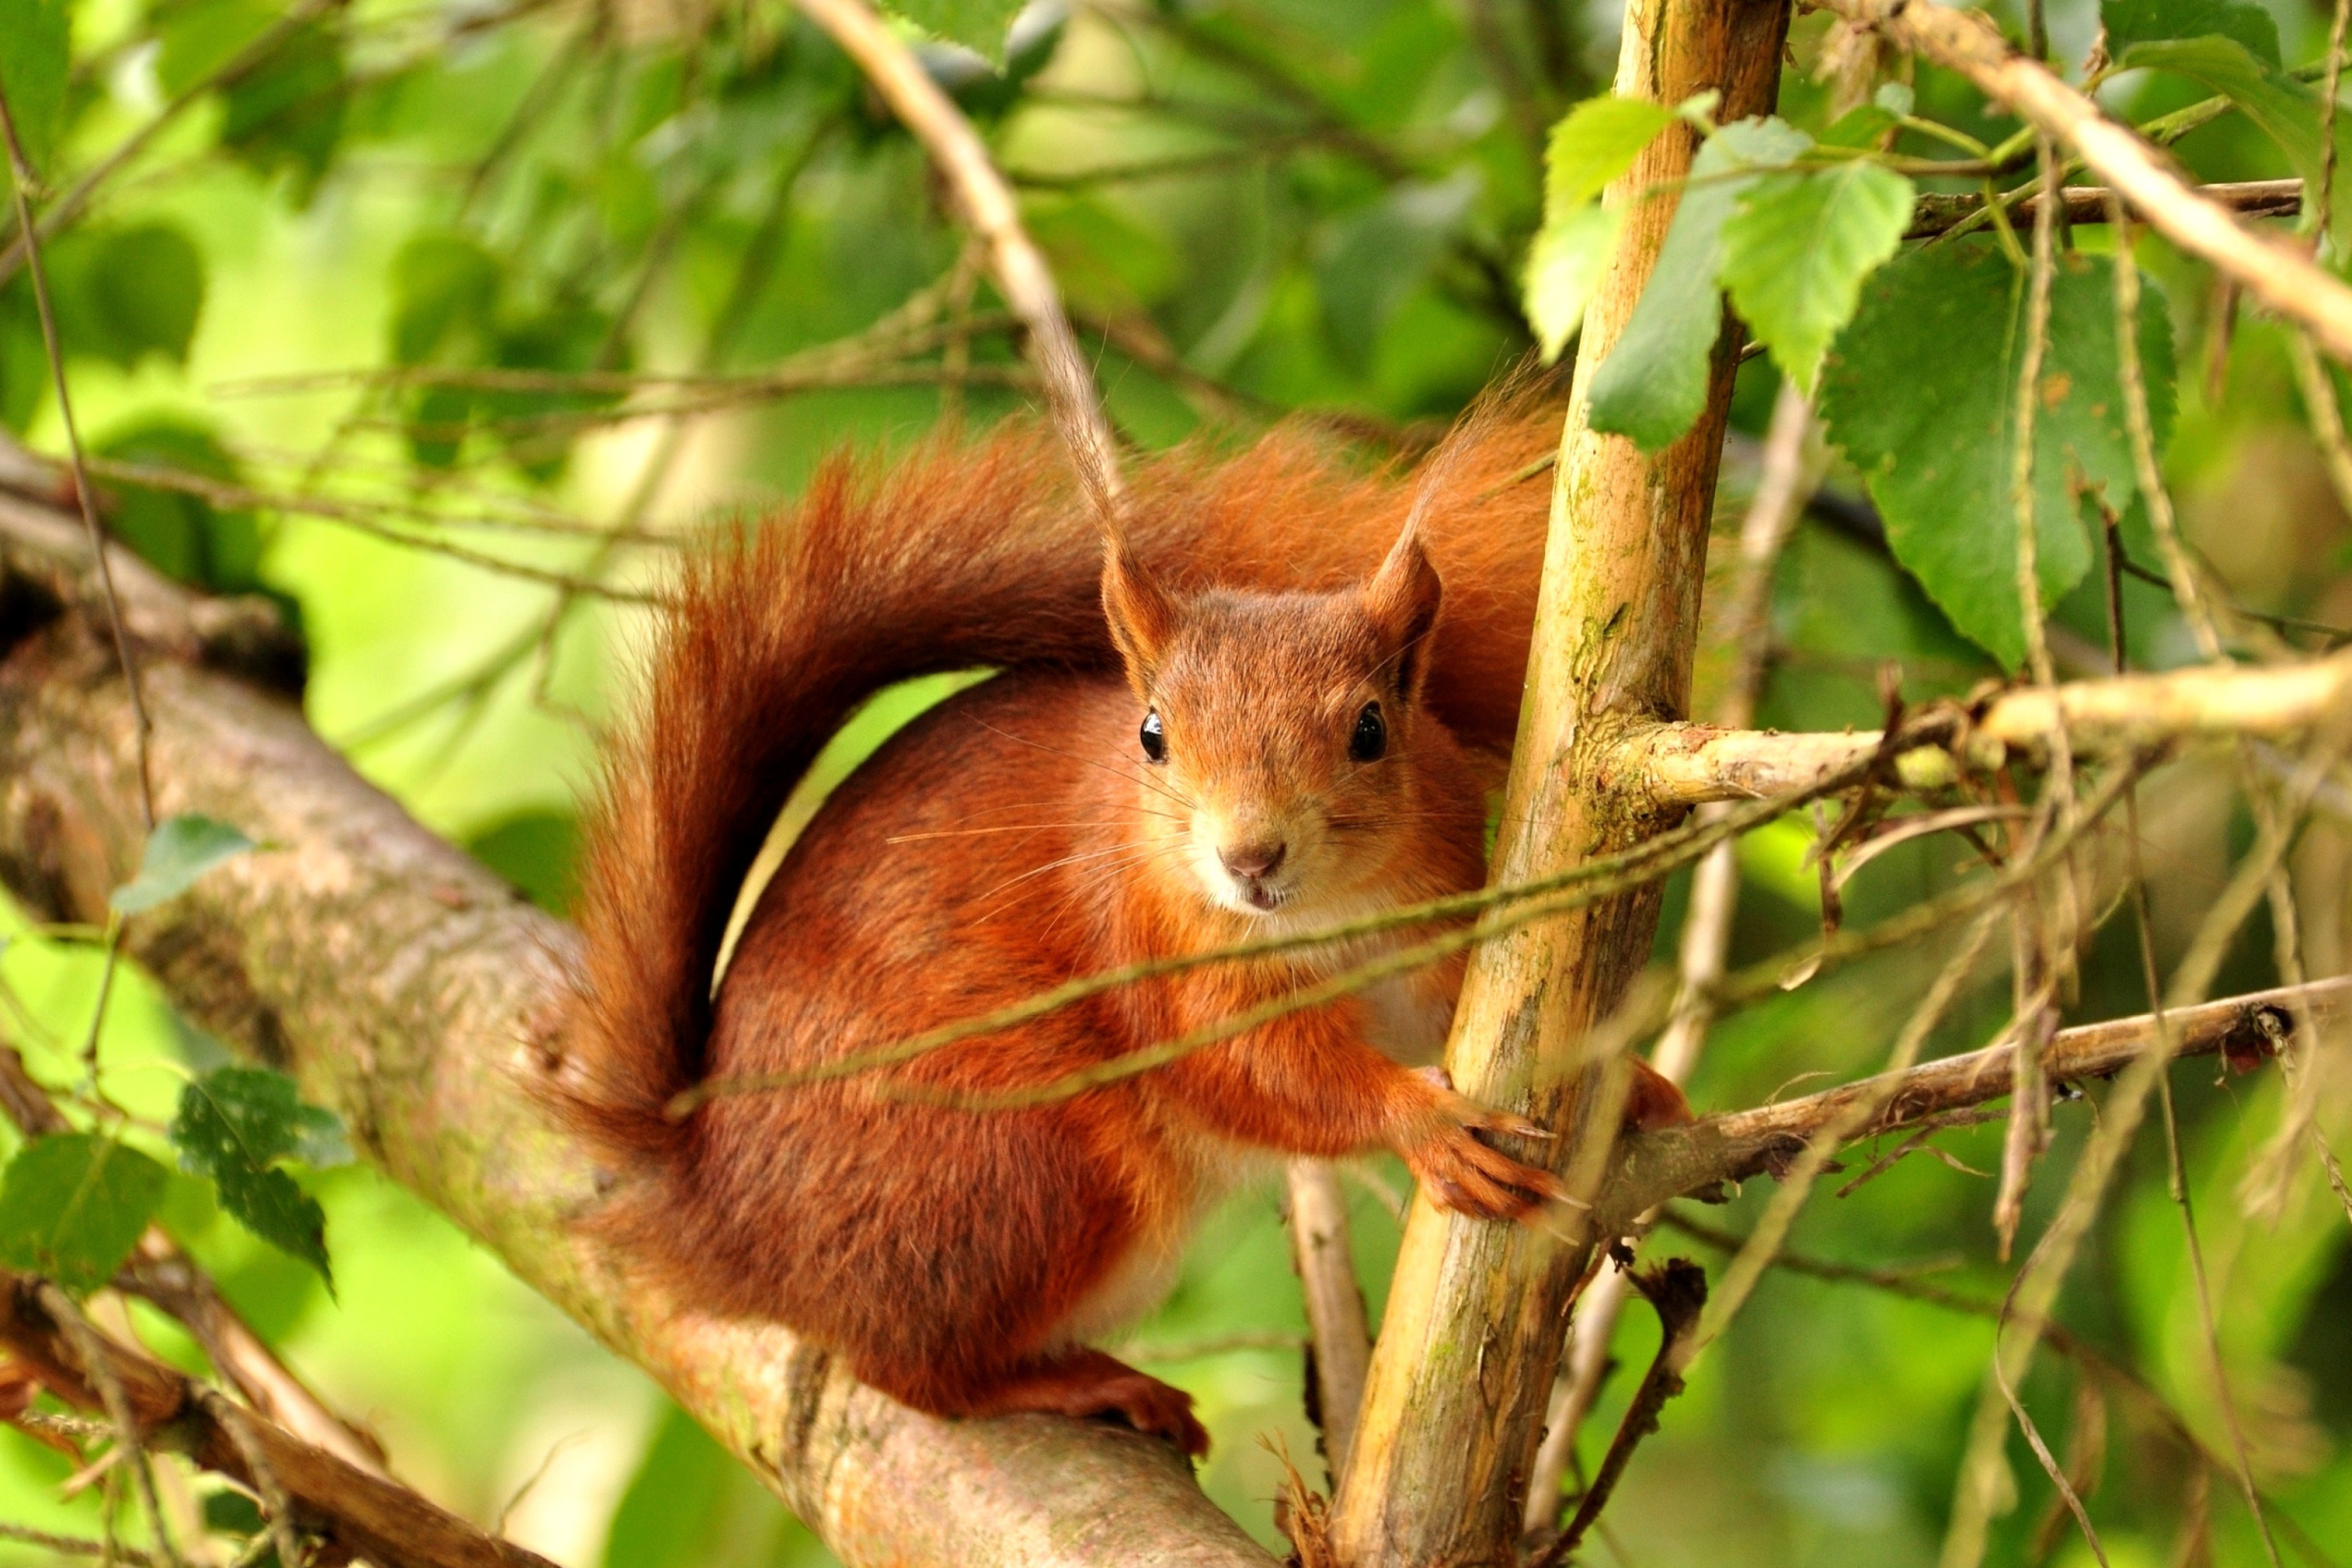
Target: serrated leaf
36, 57
1921, 392
180, 850
73, 1206
979, 26
2130, 22
1797, 248
1654, 383
1564, 266
233, 1125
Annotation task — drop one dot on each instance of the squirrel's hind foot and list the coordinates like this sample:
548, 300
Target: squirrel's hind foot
1085, 1384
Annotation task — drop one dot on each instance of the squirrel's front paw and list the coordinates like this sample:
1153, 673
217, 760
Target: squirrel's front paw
1460, 1172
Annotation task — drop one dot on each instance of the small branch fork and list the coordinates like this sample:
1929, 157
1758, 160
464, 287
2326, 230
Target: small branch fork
363, 1515
2276, 271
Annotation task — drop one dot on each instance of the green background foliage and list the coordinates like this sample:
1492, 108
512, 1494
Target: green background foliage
380, 281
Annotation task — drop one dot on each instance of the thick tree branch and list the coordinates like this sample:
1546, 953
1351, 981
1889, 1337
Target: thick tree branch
363, 1515
417, 995
2278, 273
1654, 1166
1684, 763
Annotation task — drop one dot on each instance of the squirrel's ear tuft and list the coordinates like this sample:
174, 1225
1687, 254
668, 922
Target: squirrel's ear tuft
1403, 599
1142, 617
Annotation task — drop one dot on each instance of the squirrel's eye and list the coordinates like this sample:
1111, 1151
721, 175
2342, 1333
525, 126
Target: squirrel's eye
1155, 741
1371, 737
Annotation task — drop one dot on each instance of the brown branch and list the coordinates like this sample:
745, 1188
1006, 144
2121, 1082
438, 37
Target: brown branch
1938, 214
1338, 1332
1678, 1291
994, 215
364, 1515
1703, 1155
162, 1273
2276, 271
1683, 764
409, 989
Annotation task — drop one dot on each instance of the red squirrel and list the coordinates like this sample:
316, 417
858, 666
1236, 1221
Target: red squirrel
1276, 706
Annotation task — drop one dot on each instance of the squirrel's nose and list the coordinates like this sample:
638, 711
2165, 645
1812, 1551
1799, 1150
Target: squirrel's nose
1252, 861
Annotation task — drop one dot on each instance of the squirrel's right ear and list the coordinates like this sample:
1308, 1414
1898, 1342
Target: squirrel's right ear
1142, 617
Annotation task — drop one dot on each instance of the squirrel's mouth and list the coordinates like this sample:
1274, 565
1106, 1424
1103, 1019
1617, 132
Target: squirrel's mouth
1259, 896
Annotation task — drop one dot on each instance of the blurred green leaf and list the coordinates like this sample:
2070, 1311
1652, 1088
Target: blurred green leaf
665, 1517
36, 56
2132, 22
122, 294
288, 113
979, 26
1654, 382
442, 285
233, 1125
180, 850
1379, 255
1564, 266
183, 535
534, 850
1921, 393
1798, 248
74, 1206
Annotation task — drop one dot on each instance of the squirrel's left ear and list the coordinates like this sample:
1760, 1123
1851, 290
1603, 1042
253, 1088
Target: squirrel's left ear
1403, 599
1142, 617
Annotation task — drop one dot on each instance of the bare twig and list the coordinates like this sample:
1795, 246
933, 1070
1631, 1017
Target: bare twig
363, 1515
1937, 214
990, 207
21, 183
1339, 1337
1678, 1291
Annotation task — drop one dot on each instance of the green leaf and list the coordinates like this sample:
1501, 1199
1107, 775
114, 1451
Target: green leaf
184, 535
180, 850
2131, 22
142, 289
442, 286
1564, 266
979, 26
35, 56
288, 113
74, 1206
1596, 141
1379, 255
1921, 389
233, 1125
1654, 383
1797, 248
2286, 111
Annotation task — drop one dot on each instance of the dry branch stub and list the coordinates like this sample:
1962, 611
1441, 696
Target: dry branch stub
1465, 1361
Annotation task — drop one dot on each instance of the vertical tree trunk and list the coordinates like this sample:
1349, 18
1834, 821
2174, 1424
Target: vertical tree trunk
1453, 1408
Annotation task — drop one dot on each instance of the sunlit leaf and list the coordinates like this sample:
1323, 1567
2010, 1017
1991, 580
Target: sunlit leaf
1654, 383
1564, 266
73, 1206
979, 26
1796, 251
180, 850
234, 1124
1921, 393
1597, 142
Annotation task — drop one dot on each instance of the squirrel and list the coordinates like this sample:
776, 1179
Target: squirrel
1280, 701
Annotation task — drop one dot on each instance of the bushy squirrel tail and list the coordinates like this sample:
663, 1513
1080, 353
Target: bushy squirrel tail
954, 558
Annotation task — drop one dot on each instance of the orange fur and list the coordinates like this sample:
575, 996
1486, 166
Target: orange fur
1018, 835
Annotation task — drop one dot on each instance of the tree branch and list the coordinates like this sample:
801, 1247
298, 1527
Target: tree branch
1939, 213
1692, 1159
1682, 764
365, 1515
410, 991
2278, 273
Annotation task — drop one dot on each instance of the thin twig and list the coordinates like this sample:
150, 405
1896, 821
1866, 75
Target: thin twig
21, 182
96, 1367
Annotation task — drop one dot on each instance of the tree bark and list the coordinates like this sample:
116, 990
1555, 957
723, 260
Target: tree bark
1453, 1407
415, 993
